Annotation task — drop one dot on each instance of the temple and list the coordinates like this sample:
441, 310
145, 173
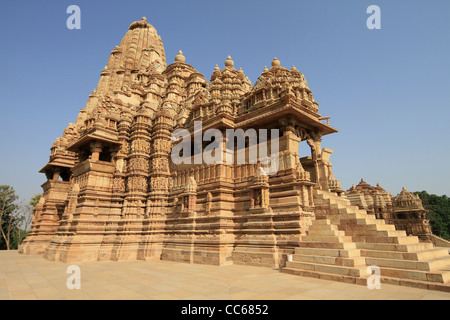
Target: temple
113, 191
405, 211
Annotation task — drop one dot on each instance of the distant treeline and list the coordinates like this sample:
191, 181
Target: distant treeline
439, 213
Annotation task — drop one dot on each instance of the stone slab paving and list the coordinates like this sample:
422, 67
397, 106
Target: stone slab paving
33, 277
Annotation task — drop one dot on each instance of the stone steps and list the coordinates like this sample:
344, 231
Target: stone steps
426, 285
328, 268
351, 210
333, 239
372, 227
338, 261
386, 239
411, 247
326, 276
344, 253
345, 208
376, 233
329, 233
413, 256
327, 252
347, 240
318, 227
356, 219
370, 221
438, 276
327, 245
429, 265
325, 195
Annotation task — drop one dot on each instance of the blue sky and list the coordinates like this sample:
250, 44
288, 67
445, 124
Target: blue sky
387, 91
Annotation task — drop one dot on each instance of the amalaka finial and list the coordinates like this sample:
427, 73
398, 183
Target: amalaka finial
294, 68
140, 24
180, 57
276, 62
265, 69
229, 62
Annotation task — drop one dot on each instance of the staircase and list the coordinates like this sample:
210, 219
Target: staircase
345, 240
327, 253
439, 242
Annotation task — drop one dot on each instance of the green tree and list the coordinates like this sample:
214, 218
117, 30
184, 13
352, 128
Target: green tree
15, 219
439, 213
35, 200
8, 210
22, 223
25, 218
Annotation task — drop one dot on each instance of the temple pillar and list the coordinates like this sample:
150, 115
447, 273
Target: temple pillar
96, 149
56, 175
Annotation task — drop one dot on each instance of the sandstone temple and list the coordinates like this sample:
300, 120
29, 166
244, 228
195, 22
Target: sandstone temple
405, 211
114, 193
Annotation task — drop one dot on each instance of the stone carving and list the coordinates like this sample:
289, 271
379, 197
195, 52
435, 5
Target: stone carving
119, 184
159, 184
120, 165
160, 164
137, 183
140, 146
209, 200
140, 164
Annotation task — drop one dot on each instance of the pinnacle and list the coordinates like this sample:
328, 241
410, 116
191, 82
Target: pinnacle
180, 57
229, 62
276, 62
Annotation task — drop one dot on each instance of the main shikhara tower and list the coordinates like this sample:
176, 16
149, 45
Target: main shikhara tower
113, 192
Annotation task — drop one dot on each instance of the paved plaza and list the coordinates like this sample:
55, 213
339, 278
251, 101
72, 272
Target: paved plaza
33, 277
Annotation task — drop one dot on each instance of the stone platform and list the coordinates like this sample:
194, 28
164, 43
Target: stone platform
31, 277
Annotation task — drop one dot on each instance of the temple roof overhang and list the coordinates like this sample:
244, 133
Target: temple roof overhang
269, 114
97, 135
274, 112
57, 163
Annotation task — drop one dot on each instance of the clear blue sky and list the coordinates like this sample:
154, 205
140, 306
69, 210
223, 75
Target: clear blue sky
387, 91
